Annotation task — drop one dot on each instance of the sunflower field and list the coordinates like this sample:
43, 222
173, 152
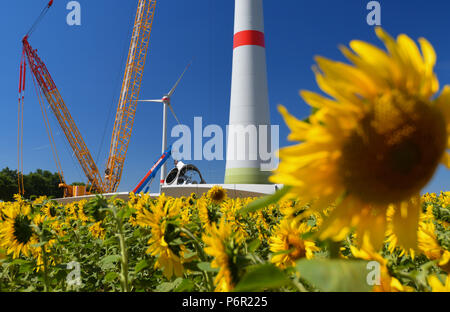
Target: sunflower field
206, 244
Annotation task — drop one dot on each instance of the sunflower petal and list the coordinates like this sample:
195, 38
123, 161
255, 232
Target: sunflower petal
405, 222
297, 126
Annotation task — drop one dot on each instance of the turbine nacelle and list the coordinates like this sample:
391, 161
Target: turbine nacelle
166, 98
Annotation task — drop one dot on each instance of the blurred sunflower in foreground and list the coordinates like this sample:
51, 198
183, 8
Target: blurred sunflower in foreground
374, 143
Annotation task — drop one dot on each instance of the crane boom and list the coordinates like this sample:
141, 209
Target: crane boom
65, 120
126, 109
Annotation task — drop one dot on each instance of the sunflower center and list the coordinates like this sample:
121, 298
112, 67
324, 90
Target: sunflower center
170, 236
217, 195
52, 211
22, 229
395, 151
295, 243
213, 216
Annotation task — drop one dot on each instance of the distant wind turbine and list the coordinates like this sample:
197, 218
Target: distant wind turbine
166, 101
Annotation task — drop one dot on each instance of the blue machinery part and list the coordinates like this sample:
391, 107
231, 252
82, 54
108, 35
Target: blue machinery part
145, 182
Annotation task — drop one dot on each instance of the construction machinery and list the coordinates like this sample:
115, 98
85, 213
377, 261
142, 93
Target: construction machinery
129, 94
125, 114
145, 183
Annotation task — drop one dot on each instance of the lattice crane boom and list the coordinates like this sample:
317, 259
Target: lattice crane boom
126, 109
129, 95
62, 114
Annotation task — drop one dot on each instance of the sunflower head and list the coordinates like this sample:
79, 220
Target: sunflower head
217, 194
49, 210
373, 142
225, 246
208, 214
395, 149
288, 245
16, 233
97, 230
163, 243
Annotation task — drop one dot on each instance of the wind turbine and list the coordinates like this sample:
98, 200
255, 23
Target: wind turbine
166, 101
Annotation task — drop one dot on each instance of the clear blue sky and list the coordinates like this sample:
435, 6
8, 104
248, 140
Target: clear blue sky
87, 65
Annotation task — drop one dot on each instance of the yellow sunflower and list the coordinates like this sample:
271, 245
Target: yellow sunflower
49, 210
39, 200
230, 211
170, 257
287, 243
375, 142
2, 206
217, 194
221, 243
140, 203
427, 241
16, 234
97, 230
208, 214
263, 219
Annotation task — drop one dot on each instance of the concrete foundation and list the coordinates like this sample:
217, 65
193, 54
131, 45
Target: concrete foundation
233, 191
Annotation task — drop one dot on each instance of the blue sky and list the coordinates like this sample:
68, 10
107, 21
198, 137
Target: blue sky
87, 64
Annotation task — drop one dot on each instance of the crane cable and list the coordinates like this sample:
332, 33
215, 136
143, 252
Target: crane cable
22, 76
23, 66
40, 17
49, 133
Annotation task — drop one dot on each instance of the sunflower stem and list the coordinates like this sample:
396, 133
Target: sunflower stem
123, 252
124, 259
299, 285
45, 271
201, 254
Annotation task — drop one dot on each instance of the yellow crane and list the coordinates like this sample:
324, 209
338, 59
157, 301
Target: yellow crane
126, 109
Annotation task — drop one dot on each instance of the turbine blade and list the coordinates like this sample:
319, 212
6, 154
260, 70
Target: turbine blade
174, 115
171, 92
154, 101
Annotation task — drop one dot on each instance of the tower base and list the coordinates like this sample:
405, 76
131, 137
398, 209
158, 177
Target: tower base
246, 176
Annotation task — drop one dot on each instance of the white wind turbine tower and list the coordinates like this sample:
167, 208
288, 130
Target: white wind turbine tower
167, 103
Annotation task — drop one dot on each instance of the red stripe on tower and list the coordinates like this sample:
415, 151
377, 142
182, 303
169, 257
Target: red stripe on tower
249, 37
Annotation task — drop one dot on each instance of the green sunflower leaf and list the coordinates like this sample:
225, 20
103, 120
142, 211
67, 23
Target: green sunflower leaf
167, 287
335, 275
185, 286
109, 262
206, 266
254, 245
265, 201
262, 277
143, 264
111, 276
